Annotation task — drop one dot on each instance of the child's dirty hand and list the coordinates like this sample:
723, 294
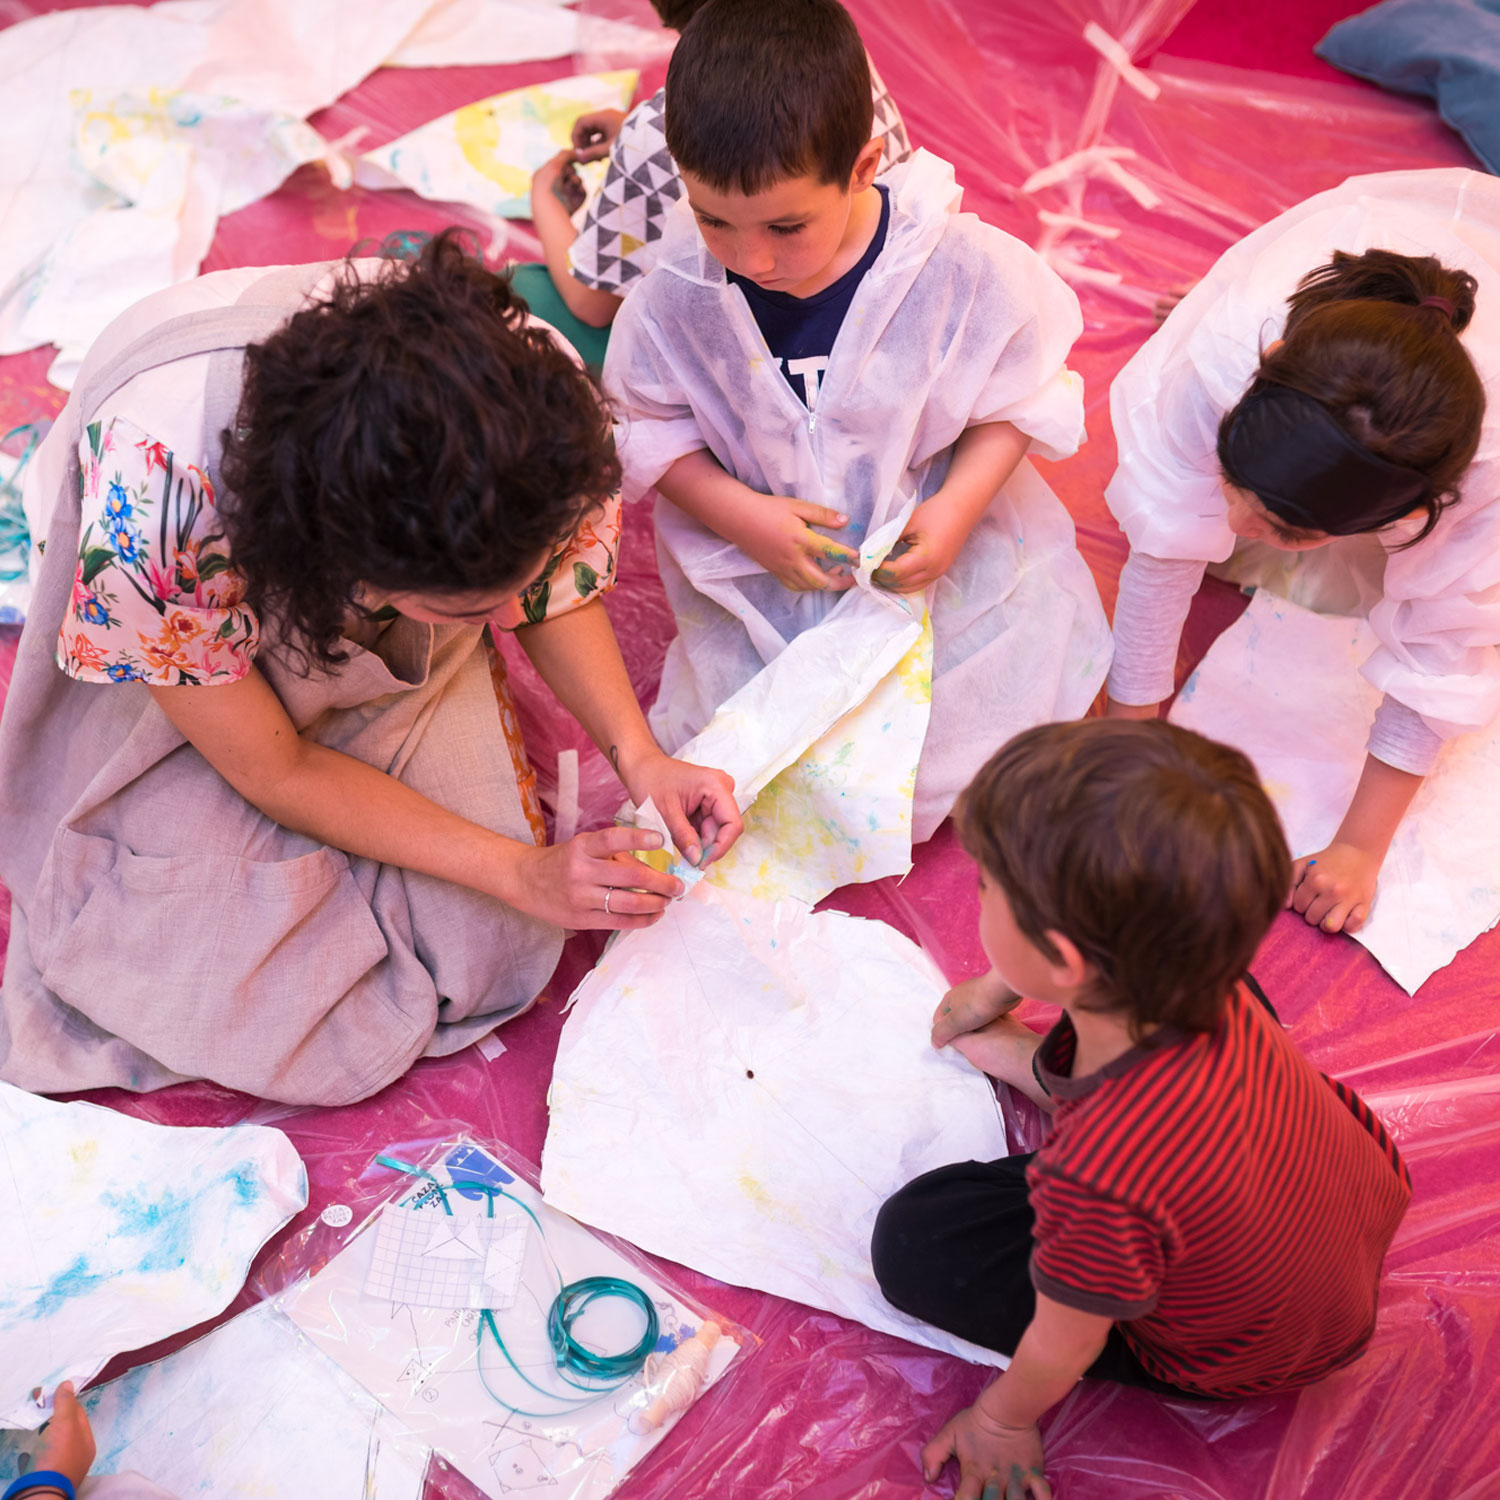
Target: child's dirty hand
594, 133
1334, 888
971, 1004
781, 538
932, 540
559, 178
67, 1440
994, 1462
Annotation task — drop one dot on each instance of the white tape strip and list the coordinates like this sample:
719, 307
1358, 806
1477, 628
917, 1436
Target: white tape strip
1073, 221
1118, 58
1075, 164
565, 823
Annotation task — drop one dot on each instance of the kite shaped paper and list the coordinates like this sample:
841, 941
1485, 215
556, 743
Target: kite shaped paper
442, 1372
120, 1232
485, 153
1283, 685
250, 1409
823, 747
767, 1071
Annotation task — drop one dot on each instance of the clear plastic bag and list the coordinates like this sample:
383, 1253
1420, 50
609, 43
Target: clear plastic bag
527, 1350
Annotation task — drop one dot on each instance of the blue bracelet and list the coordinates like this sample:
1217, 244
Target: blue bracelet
42, 1479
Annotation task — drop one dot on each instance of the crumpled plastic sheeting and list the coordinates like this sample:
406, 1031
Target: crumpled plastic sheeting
828, 1410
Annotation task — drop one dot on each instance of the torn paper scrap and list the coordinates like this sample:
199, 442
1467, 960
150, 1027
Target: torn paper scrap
1283, 684
740, 1088
442, 1374
251, 1409
119, 1233
485, 153
823, 746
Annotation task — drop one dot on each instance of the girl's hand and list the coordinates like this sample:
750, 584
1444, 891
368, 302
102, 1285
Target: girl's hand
67, 1440
1333, 888
933, 538
559, 178
594, 133
779, 535
696, 803
970, 1004
993, 1461
569, 884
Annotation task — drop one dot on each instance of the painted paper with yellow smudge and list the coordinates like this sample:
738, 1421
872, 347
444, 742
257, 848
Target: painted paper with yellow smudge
486, 152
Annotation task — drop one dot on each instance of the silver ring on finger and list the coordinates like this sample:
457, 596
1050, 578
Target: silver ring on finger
608, 892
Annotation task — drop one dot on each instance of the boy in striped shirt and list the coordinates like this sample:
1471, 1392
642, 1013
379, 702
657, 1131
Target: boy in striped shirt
1209, 1214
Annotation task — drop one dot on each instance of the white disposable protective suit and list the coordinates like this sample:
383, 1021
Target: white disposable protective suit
954, 325
1436, 610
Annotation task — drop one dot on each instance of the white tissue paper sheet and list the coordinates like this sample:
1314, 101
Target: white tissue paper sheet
711, 1100
472, 32
1283, 684
251, 1409
119, 1233
129, 130
823, 746
485, 153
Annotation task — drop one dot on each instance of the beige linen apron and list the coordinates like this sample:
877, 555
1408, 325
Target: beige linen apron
162, 927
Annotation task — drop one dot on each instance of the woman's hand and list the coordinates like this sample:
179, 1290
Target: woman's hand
569, 884
696, 803
778, 534
595, 132
1333, 888
993, 1461
970, 1004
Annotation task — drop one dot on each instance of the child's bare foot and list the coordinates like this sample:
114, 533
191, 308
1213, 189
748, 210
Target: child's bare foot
1004, 1050
67, 1440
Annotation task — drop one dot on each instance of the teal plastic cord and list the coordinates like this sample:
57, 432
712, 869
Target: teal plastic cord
571, 1358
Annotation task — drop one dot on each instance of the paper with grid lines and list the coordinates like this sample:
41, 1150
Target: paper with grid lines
440, 1260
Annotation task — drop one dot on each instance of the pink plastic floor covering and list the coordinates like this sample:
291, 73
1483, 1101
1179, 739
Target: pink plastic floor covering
826, 1410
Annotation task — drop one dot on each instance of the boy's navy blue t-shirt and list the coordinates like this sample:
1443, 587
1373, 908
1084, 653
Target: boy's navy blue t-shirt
800, 331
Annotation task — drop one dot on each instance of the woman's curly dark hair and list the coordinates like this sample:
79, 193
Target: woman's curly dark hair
411, 433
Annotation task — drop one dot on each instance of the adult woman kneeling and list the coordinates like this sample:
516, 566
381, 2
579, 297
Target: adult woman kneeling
266, 814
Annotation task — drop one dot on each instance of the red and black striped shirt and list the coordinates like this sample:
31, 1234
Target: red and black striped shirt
1227, 1204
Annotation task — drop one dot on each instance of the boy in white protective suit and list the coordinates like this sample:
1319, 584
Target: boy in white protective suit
825, 352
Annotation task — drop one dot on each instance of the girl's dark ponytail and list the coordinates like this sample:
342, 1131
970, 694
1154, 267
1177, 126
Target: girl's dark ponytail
1384, 276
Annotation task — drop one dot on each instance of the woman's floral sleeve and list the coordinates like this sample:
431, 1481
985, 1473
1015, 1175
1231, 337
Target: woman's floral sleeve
155, 597
581, 569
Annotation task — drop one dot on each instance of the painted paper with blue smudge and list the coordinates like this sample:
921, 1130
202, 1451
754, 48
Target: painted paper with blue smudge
120, 1233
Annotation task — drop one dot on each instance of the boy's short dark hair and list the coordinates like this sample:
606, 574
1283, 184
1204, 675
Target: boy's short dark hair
675, 14
1154, 850
762, 90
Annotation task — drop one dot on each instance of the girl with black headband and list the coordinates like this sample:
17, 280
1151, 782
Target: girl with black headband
1312, 417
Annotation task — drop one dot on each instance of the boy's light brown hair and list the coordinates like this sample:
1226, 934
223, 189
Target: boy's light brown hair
1154, 850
